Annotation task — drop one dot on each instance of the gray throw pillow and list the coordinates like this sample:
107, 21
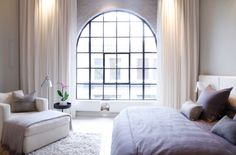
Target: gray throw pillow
191, 110
213, 103
226, 128
23, 103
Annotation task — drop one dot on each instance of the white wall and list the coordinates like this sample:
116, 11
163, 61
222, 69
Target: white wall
9, 53
218, 37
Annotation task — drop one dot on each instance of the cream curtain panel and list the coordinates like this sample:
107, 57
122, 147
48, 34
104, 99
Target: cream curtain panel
47, 37
177, 33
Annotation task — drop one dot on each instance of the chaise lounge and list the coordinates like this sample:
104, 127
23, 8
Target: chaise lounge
38, 134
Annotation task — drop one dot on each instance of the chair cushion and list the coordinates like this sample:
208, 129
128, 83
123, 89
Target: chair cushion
23, 103
42, 126
8, 97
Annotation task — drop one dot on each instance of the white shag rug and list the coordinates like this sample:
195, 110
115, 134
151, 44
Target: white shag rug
74, 144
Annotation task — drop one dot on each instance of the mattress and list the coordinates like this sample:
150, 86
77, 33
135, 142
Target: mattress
163, 131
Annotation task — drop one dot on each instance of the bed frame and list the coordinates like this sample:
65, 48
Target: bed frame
221, 82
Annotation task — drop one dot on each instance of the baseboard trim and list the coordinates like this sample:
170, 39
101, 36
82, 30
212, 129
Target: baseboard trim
96, 113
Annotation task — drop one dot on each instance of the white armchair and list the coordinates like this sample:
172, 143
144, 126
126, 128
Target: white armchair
5, 112
5, 108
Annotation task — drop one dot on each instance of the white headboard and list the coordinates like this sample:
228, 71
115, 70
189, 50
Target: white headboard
221, 82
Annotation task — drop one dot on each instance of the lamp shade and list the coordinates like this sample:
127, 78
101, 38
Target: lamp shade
46, 81
49, 83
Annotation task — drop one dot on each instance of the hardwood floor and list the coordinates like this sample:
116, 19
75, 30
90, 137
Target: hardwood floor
102, 125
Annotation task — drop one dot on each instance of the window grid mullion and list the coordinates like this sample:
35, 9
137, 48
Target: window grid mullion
124, 83
90, 60
116, 54
122, 36
129, 59
143, 70
103, 61
114, 68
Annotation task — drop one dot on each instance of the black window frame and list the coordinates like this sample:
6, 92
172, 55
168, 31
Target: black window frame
143, 52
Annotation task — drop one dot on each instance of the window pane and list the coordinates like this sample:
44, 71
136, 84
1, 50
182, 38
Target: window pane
122, 75
85, 32
97, 60
110, 75
122, 60
96, 91
83, 45
122, 16
82, 75
150, 92
123, 92
110, 29
134, 18
136, 44
150, 45
109, 92
110, 61
96, 45
82, 91
147, 31
96, 75
136, 91
109, 44
82, 60
150, 60
136, 60
150, 75
136, 29
136, 76
110, 16
122, 29
122, 44
98, 18
96, 29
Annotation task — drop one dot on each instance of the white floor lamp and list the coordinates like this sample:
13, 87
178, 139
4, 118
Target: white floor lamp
47, 82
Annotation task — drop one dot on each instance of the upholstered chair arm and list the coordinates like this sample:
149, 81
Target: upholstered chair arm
41, 104
5, 113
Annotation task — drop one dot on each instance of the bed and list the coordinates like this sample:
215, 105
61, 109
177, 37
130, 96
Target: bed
164, 131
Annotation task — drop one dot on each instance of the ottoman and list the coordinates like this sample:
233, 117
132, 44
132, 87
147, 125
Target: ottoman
44, 133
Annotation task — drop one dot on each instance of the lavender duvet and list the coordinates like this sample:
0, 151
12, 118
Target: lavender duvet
163, 131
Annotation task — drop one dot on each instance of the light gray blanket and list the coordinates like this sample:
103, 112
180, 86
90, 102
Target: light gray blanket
14, 129
163, 131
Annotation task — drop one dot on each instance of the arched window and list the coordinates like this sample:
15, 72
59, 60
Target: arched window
116, 58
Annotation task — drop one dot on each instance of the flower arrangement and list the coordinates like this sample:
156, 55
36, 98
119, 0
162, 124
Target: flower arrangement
62, 92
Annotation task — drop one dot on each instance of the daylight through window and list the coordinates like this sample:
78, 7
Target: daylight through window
116, 59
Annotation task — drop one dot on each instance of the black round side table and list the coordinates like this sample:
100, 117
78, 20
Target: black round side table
62, 107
